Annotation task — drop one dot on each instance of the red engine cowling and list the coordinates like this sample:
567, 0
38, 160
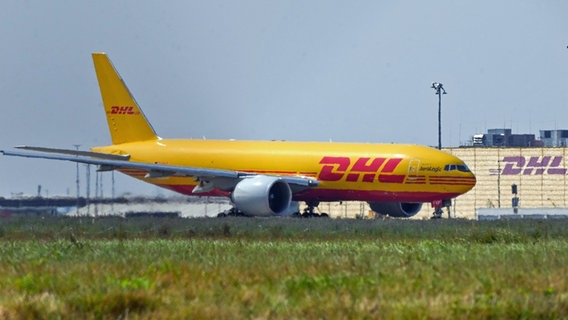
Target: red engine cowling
396, 209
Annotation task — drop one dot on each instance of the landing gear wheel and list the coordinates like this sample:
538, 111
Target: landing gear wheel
309, 211
437, 214
233, 212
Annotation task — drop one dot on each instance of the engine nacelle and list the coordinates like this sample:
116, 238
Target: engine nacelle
262, 196
396, 209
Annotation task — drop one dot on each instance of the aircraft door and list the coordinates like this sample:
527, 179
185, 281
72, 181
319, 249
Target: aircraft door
413, 168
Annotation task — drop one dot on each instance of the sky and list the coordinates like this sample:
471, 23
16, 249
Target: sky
321, 70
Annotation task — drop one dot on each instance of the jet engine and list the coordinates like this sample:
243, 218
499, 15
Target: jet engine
396, 209
262, 196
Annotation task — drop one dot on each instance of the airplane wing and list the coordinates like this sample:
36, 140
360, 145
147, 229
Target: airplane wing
77, 153
208, 178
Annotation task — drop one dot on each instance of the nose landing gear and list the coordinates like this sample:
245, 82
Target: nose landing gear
438, 211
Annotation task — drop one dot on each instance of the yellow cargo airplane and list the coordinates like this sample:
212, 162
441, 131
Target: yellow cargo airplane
266, 178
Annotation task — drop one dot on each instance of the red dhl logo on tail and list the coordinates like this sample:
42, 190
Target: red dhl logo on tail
336, 168
122, 110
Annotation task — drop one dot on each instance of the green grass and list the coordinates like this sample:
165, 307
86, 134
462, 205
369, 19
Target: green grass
282, 268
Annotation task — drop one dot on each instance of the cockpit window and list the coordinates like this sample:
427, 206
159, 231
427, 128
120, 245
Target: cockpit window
459, 167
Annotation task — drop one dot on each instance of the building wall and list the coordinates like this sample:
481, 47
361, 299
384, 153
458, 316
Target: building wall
539, 173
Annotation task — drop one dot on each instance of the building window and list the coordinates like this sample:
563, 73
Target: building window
564, 134
547, 134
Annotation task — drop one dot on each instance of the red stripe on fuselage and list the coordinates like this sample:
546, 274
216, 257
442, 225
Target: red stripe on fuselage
319, 194
370, 195
391, 178
449, 180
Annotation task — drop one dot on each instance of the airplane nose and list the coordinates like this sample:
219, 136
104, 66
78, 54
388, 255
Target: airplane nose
471, 181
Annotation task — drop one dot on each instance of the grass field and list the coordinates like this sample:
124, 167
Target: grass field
282, 268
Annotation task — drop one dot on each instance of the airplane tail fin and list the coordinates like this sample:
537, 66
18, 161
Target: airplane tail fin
126, 121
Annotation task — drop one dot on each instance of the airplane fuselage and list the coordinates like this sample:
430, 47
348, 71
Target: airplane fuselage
346, 171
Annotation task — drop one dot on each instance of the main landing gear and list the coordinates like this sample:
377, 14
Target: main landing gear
233, 212
309, 211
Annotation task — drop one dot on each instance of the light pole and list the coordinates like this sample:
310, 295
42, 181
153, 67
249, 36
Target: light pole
439, 91
77, 168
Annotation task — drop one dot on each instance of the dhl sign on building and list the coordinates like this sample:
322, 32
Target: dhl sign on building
541, 176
